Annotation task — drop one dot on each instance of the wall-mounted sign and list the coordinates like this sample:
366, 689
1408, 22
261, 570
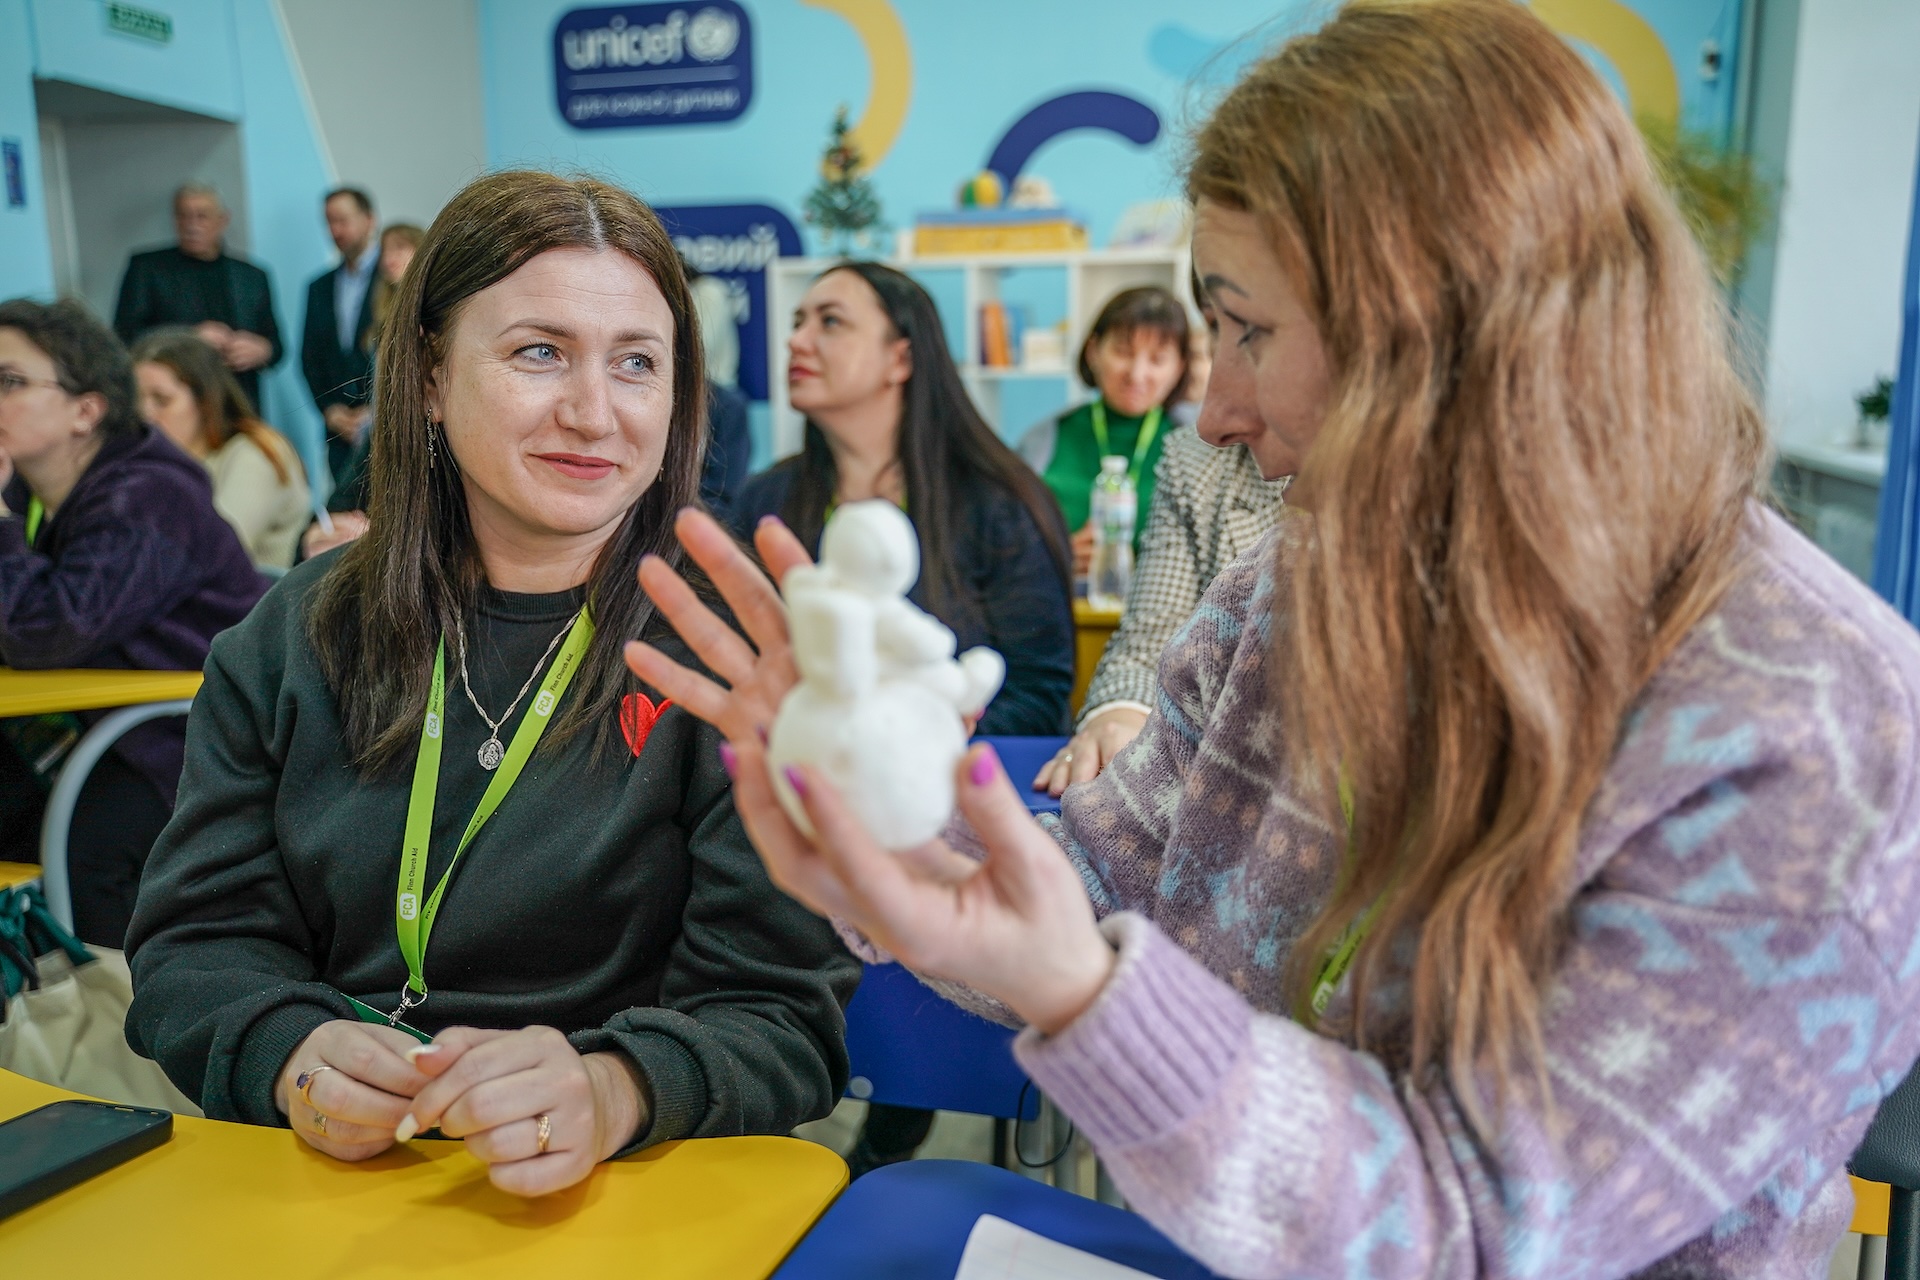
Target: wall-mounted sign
16, 172
734, 243
641, 65
145, 24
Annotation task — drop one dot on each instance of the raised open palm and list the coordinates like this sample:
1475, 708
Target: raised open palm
1017, 926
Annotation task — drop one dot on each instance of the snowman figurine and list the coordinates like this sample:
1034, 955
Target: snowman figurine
880, 702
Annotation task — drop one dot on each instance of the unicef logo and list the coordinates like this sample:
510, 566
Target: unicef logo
712, 35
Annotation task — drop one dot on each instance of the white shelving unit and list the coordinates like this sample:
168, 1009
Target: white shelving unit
1091, 278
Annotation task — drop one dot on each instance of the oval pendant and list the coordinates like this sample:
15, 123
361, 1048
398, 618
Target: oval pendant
491, 754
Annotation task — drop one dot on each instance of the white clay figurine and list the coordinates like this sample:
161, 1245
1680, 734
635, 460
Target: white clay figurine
879, 704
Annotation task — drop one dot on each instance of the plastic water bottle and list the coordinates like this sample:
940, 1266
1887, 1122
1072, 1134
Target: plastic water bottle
1115, 506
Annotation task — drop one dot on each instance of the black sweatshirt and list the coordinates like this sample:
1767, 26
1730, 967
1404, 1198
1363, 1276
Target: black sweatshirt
613, 897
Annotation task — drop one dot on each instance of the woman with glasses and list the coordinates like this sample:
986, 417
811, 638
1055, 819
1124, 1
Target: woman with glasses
111, 555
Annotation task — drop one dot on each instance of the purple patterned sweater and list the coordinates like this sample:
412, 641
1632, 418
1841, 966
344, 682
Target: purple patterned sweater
1732, 1004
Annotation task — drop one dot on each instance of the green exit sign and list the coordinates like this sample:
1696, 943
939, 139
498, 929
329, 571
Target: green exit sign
145, 24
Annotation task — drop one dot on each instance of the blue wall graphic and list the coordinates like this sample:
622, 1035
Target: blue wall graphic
735, 242
1114, 113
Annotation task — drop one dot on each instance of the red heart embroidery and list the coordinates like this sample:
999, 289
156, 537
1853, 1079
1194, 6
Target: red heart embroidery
638, 715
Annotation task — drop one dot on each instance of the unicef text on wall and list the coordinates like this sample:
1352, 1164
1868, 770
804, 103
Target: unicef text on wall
645, 65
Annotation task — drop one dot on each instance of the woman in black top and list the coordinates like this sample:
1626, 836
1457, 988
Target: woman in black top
887, 417
606, 965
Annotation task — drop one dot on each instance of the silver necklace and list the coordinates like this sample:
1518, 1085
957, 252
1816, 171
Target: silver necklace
492, 752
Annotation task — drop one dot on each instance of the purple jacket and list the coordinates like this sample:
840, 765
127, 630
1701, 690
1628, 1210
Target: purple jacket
1735, 997
136, 570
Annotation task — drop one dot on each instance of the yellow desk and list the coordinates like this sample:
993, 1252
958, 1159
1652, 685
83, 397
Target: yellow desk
1092, 628
38, 693
235, 1200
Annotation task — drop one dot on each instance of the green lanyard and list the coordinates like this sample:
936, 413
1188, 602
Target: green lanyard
1142, 443
1340, 957
413, 921
36, 512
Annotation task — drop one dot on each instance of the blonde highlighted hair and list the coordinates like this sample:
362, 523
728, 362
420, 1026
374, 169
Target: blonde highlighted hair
1531, 481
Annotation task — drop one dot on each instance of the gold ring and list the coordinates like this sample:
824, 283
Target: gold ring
320, 1123
304, 1081
546, 1130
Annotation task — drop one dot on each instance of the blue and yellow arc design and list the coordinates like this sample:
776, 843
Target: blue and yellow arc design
891, 61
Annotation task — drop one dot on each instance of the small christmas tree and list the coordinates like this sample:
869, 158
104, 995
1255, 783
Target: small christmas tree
843, 206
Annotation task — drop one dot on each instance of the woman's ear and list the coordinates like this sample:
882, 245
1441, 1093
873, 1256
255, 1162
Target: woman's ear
900, 362
89, 409
432, 396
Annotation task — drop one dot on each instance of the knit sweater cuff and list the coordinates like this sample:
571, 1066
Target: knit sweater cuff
676, 1086
263, 1055
1151, 1052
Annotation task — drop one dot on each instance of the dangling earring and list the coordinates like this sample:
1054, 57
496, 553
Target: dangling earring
432, 431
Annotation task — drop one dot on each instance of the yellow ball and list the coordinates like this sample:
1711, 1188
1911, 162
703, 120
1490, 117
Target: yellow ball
982, 191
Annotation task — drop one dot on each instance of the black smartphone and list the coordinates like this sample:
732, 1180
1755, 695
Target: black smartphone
62, 1144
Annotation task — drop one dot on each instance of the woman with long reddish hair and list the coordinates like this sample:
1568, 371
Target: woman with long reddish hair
1514, 877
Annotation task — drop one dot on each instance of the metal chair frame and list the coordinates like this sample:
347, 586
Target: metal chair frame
57, 825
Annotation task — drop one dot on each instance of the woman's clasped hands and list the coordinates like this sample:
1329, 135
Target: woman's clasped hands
1017, 926
530, 1107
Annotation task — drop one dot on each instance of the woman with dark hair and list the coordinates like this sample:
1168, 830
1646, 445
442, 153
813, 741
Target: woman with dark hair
428, 737
1136, 358
888, 417
259, 483
111, 555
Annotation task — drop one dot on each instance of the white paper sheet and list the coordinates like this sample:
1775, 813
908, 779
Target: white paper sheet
999, 1250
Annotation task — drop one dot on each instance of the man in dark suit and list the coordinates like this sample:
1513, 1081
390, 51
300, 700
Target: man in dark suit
196, 283
334, 351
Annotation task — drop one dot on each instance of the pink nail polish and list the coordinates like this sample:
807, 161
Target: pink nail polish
767, 520
729, 759
796, 780
981, 772
762, 731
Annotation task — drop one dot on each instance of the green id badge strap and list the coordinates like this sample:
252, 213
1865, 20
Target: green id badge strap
370, 1014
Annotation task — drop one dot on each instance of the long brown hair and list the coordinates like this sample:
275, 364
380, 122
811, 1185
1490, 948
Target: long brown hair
1531, 481
224, 408
945, 445
383, 606
385, 290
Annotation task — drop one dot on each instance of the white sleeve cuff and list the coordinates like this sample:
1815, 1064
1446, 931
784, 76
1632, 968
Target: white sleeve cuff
1112, 704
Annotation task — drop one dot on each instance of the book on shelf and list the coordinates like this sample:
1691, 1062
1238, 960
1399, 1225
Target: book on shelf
1001, 330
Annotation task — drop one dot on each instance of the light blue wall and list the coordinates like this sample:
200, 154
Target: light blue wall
228, 59
287, 173
194, 70
977, 67
26, 259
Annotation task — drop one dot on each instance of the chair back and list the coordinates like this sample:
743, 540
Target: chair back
1890, 1152
910, 1047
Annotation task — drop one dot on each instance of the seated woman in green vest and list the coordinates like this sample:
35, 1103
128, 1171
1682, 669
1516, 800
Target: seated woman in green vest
1136, 356
421, 786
